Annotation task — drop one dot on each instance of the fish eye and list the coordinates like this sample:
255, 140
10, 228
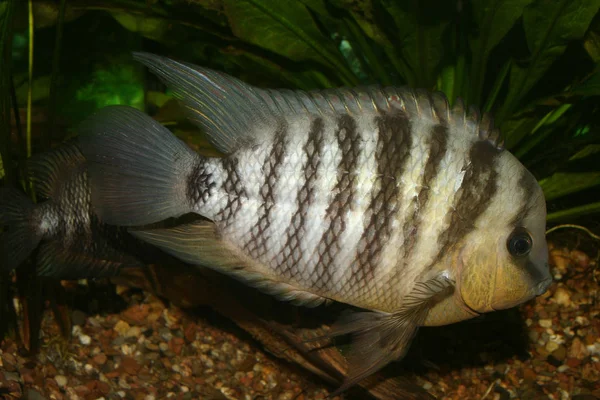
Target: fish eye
519, 243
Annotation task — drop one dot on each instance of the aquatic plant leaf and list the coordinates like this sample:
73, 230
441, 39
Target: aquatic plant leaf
119, 84
574, 212
549, 26
587, 151
287, 28
419, 32
564, 183
589, 87
147, 26
494, 19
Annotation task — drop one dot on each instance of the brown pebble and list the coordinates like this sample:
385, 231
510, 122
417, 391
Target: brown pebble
129, 365
136, 315
529, 374
99, 359
560, 354
578, 349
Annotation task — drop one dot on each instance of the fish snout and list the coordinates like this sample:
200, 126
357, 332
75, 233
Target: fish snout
543, 286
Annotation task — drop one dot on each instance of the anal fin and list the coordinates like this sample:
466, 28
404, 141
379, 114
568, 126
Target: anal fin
199, 243
67, 262
380, 338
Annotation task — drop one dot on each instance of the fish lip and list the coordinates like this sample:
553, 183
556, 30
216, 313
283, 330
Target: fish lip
543, 286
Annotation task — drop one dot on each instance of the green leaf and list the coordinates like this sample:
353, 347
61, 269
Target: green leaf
571, 213
420, 27
589, 87
562, 183
286, 27
494, 19
549, 26
586, 152
150, 27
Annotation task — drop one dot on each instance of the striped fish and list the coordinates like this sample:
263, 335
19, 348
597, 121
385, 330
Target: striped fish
382, 198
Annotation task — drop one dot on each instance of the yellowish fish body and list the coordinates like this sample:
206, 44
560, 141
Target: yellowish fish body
384, 199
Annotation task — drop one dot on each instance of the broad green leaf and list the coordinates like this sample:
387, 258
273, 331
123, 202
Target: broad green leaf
571, 213
287, 28
549, 26
586, 152
420, 27
514, 130
494, 19
149, 27
589, 87
563, 183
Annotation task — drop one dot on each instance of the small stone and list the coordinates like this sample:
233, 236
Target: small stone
563, 368
287, 395
545, 323
151, 346
88, 368
578, 349
61, 380
560, 353
121, 328
529, 374
85, 340
78, 317
427, 386
130, 366
562, 296
163, 346
134, 331
551, 346
99, 359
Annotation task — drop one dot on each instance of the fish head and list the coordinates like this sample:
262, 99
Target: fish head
504, 261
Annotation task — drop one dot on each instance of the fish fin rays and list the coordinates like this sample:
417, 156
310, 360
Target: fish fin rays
66, 262
19, 229
199, 243
380, 338
231, 111
138, 169
50, 170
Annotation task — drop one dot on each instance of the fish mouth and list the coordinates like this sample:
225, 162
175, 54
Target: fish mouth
543, 286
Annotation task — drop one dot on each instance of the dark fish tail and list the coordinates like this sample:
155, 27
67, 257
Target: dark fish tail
20, 224
140, 172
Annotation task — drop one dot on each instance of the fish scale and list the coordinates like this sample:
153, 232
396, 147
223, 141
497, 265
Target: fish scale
385, 199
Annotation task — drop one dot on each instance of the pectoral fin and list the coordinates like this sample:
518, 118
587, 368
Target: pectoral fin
379, 338
199, 243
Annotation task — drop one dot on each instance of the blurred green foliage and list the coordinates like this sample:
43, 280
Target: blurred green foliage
535, 64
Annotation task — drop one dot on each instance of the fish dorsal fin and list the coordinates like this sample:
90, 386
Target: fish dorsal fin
199, 243
232, 112
380, 338
50, 170
235, 114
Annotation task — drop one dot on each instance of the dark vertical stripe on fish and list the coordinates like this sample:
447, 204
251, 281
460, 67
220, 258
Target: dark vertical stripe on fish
348, 140
438, 145
259, 235
472, 199
528, 183
235, 190
392, 153
291, 252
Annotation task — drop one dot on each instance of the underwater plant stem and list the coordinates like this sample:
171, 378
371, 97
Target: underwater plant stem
55, 73
572, 226
30, 88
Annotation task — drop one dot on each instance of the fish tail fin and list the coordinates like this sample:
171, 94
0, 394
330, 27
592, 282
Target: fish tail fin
20, 228
138, 169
